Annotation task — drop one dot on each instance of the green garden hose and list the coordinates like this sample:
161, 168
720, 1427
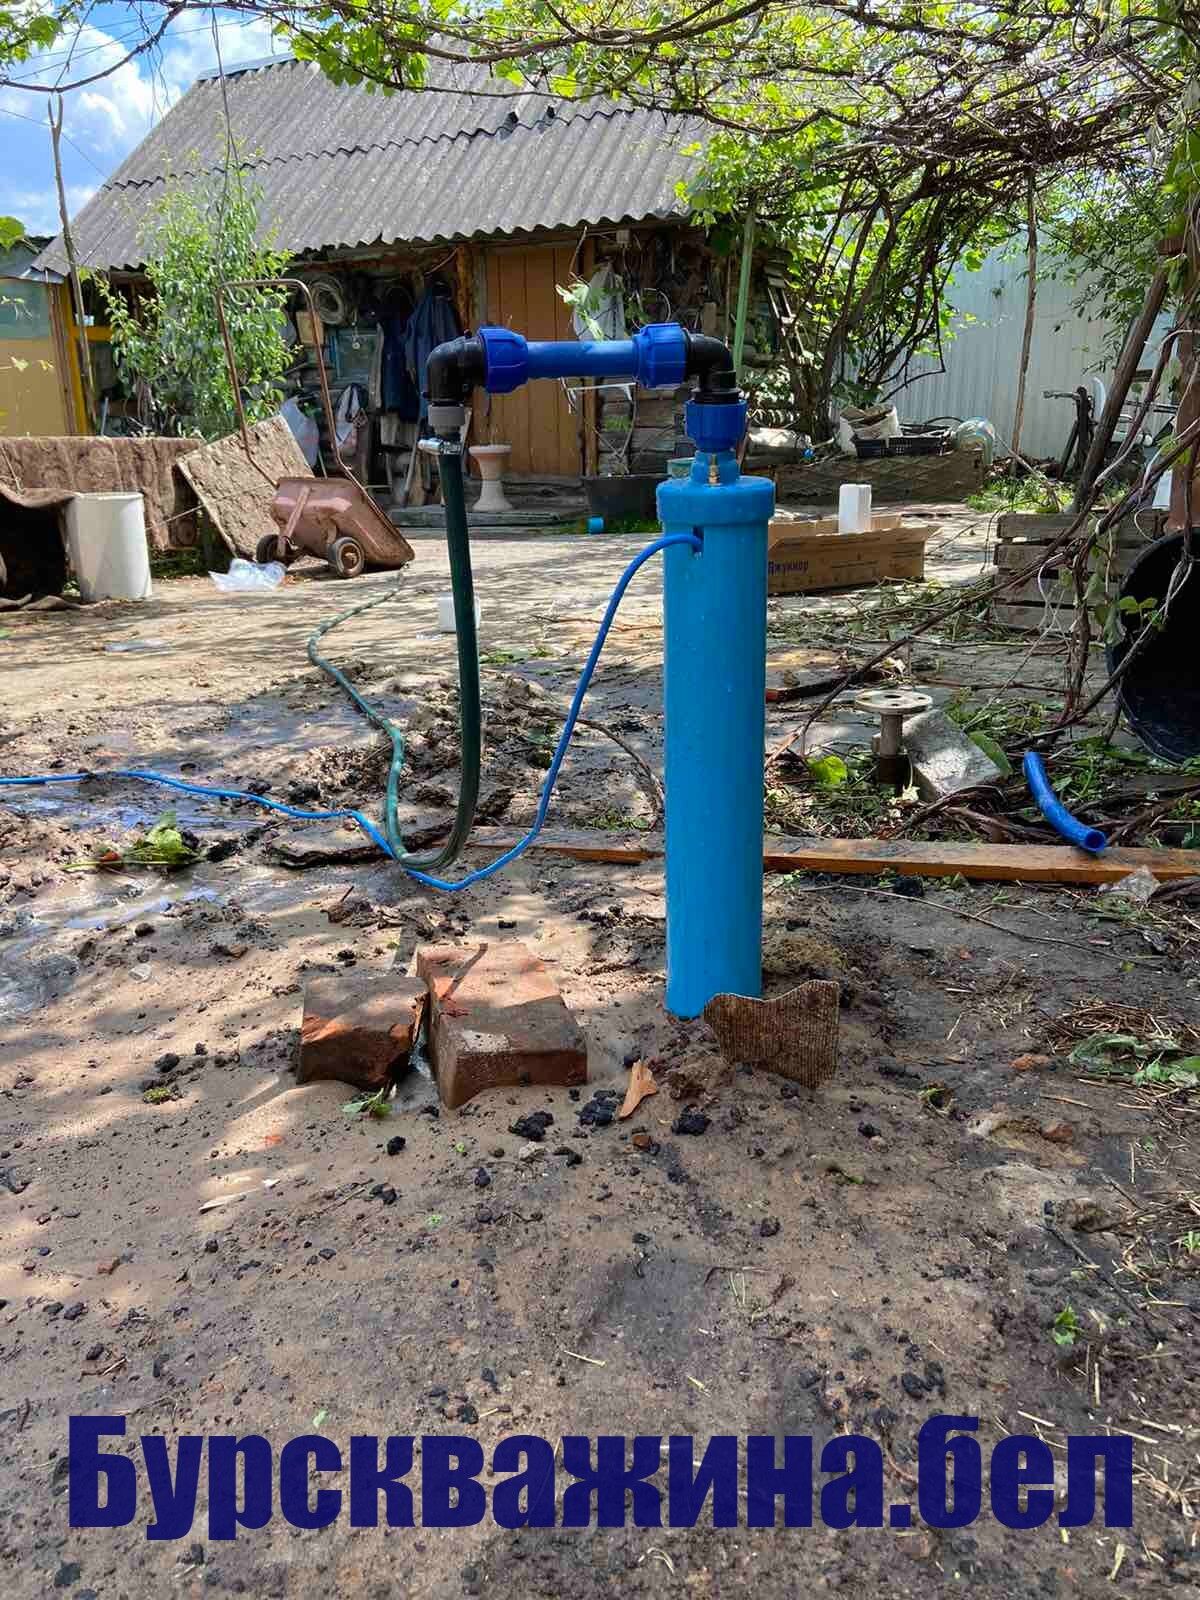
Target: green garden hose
462, 586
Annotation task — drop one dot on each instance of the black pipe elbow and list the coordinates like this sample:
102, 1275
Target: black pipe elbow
710, 362
454, 369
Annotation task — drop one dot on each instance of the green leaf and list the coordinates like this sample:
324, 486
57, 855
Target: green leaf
992, 750
1065, 1329
830, 772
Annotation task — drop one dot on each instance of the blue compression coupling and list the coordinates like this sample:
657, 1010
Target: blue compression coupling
713, 427
656, 358
1055, 813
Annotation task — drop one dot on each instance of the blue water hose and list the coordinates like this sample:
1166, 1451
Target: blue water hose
368, 827
1055, 813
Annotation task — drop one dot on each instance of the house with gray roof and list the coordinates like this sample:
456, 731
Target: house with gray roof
499, 196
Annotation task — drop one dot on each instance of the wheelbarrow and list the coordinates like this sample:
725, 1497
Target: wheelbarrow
334, 518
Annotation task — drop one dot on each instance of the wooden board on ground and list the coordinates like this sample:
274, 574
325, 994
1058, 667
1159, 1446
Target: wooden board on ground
989, 863
237, 494
912, 858
805, 557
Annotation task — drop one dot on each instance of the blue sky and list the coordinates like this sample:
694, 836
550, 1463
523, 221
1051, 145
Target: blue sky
104, 120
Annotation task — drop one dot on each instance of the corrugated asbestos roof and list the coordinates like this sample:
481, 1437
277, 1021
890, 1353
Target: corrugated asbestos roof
340, 167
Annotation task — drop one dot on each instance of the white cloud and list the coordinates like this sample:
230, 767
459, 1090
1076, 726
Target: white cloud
112, 115
103, 121
38, 208
190, 49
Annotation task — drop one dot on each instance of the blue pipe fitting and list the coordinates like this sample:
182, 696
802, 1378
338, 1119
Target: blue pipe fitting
662, 355
507, 356
715, 426
1055, 813
656, 358
714, 680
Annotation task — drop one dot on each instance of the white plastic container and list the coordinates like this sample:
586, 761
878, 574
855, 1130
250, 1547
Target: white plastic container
445, 605
854, 508
106, 541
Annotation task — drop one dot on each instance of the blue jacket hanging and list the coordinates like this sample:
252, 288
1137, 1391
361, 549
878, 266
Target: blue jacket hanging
433, 322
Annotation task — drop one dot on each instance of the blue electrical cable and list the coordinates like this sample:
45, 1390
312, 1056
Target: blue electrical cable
368, 827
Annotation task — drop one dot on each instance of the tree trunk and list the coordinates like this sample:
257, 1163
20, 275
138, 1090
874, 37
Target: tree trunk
1030, 310
1189, 408
85, 355
1135, 343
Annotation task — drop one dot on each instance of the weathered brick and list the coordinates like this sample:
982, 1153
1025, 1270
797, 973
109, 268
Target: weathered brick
359, 1029
497, 1020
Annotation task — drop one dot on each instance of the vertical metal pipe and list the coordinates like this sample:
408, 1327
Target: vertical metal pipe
714, 668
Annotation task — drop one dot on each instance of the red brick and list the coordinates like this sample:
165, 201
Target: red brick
361, 1030
497, 1020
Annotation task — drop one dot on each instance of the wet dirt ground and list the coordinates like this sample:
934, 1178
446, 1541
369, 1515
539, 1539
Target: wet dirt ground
903, 1242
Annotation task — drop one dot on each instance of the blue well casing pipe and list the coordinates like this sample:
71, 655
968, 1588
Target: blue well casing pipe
1055, 813
714, 672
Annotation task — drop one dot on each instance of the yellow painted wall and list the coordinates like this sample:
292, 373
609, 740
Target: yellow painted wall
35, 383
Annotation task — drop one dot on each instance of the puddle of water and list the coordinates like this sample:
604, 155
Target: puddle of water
83, 815
27, 984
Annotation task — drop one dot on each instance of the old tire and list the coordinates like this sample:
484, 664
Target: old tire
267, 549
348, 558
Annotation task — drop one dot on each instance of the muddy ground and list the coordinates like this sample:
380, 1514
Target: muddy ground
898, 1244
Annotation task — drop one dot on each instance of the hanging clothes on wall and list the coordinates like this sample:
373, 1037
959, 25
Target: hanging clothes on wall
396, 390
399, 391
432, 323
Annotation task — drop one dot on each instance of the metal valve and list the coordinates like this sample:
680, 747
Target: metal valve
892, 705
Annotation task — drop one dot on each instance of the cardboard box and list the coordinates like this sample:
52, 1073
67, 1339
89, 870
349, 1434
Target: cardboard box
804, 557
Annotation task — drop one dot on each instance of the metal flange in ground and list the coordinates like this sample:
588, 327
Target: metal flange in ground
891, 706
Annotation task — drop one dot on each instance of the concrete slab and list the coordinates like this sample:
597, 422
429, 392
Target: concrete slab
944, 760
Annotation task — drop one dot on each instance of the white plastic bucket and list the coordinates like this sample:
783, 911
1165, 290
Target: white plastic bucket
106, 541
445, 605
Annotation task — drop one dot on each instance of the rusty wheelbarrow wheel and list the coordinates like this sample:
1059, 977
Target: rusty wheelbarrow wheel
348, 558
272, 547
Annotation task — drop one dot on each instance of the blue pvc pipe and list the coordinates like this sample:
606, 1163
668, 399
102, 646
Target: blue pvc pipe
596, 358
714, 672
1055, 813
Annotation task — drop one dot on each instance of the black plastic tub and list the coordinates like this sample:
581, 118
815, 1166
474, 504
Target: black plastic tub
870, 449
1159, 694
617, 499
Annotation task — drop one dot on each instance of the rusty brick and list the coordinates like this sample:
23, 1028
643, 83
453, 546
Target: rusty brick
359, 1029
497, 1020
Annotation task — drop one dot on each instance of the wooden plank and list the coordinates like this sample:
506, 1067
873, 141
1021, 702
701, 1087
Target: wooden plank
1059, 591
1012, 556
589, 410
992, 863
1032, 618
1037, 526
536, 419
570, 444
541, 397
